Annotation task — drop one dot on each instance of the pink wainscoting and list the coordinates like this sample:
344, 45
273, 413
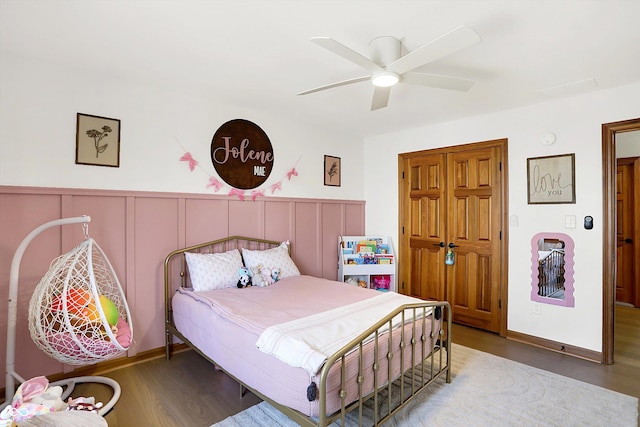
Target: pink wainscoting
137, 230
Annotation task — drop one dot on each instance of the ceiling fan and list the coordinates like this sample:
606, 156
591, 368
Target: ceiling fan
387, 67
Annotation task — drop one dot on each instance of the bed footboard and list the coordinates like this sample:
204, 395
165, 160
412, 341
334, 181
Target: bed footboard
412, 357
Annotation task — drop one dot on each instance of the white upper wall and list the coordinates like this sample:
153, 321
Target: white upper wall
38, 106
577, 124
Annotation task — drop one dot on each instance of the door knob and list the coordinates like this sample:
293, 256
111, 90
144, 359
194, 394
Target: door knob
451, 245
441, 244
628, 240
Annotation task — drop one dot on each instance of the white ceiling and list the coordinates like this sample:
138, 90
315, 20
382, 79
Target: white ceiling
256, 55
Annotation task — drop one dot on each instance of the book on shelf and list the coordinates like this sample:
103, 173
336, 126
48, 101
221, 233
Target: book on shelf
362, 258
365, 248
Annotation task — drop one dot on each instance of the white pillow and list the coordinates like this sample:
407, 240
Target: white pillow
272, 258
214, 271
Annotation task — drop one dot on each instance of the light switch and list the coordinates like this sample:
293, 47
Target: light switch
570, 221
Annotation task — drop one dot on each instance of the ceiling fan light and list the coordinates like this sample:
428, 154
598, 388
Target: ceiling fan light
385, 79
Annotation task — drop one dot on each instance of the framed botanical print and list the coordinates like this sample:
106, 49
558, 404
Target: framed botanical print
332, 171
97, 141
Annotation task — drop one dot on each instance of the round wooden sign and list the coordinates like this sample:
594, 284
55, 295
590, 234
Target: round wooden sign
242, 154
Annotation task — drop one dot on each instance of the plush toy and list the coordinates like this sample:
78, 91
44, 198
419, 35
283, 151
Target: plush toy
88, 404
33, 397
352, 281
108, 308
82, 307
269, 275
244, 277
257, 278
381, 283
275, 274
77, 301
264, 276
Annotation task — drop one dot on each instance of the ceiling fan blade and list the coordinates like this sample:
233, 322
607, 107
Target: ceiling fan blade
445, 45
347, 53
442, 82
332, 85
380, 97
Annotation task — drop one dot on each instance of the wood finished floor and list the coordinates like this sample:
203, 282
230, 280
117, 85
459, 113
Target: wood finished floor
188, 391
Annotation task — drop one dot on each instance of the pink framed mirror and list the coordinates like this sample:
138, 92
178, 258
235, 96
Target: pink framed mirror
552, 269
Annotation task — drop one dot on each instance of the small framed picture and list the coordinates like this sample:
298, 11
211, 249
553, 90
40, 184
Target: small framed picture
332, 171
97, 141
551, 179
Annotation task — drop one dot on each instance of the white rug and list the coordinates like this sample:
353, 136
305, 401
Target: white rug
487, 390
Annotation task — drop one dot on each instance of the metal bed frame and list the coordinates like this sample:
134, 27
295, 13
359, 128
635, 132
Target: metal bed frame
387, 397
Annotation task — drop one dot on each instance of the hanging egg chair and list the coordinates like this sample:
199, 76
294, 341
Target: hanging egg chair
78, 313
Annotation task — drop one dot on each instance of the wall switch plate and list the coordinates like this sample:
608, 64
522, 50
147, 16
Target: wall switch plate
570, 221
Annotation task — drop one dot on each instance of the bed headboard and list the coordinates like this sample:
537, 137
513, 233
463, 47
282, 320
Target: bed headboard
175, 265
176, 273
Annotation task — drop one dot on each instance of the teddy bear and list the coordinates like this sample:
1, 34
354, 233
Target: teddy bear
244, 277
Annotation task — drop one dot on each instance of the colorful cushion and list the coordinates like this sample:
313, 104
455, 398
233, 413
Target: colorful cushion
214, 271
272, 258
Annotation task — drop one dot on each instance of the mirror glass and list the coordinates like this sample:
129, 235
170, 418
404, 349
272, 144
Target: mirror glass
552, 269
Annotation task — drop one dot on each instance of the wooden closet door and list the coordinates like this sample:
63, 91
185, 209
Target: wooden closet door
425, 213
453, 196
473, 226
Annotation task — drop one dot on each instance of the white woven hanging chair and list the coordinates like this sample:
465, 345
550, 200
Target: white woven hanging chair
78, 314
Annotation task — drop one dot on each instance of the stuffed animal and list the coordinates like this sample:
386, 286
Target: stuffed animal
34, 397
351, 281
270, 274
257, 277
381, 283
88, 404
244, 277
275, 274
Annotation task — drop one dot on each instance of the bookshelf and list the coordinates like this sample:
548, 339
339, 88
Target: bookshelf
367, 261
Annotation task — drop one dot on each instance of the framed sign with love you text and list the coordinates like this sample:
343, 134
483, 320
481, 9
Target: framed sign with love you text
551, 179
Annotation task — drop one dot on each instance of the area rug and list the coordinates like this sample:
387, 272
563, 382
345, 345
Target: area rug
487, 390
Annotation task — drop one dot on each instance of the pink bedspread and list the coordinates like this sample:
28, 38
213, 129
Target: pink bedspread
255, 308
225, 325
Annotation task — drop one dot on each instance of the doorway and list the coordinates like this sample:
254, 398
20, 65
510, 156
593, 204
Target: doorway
627, 179
609, 163
452, 245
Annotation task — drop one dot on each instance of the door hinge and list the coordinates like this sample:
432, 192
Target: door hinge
500, 166
403, 229
402, 174
500, 234
500, 303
